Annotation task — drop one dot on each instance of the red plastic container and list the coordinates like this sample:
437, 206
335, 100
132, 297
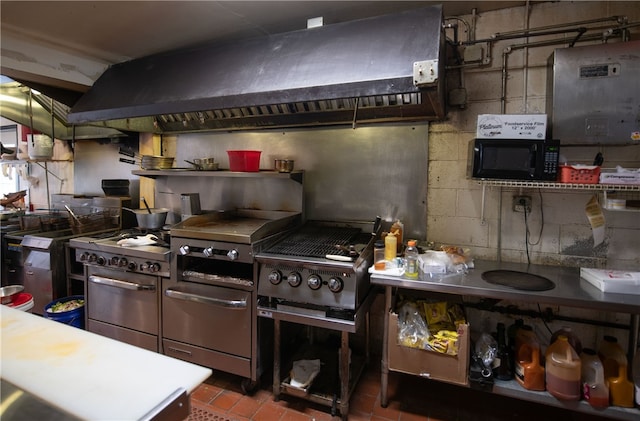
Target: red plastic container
244, 161
579, 174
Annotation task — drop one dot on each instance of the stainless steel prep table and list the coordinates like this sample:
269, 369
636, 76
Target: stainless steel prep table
570, 291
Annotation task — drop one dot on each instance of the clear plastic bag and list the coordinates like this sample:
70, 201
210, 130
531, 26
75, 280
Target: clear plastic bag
412, 327
486, 349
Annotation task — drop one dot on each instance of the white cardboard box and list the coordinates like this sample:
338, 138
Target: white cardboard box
631, 177
512, 126
608, 280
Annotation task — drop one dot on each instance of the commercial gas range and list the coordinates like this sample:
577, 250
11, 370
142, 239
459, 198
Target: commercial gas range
122, 286
209, 302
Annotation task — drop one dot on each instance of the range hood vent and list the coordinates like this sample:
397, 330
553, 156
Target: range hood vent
386, 68
47, 115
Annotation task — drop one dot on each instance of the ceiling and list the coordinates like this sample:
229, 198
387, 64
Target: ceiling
69, 44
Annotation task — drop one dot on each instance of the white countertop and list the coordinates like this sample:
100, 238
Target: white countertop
88, 375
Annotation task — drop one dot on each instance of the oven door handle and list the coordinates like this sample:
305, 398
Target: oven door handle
120, 284
187, 296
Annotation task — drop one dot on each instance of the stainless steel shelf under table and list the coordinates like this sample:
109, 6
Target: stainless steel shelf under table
570, 291
348, 376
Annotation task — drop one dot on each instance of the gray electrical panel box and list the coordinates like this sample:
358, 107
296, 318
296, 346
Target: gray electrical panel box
593, 95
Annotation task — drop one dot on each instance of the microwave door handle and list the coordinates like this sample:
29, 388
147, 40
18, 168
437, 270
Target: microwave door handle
134, 286
186, 296
533, 158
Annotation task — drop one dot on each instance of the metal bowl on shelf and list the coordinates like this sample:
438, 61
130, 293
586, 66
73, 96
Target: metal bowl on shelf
8, 293
283, 165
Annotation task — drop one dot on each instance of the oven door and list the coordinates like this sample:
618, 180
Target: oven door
123, 299
207, 316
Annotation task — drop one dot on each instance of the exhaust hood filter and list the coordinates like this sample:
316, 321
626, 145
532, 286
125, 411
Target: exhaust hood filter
387, 68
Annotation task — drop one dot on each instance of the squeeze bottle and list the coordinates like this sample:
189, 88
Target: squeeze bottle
411, 260
390, 247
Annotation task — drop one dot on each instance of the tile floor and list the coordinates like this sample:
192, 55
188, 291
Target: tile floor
410, 399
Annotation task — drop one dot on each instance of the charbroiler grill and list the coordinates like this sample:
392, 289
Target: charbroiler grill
317, 276
319, 271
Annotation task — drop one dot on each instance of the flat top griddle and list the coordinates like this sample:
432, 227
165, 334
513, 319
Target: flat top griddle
241, 226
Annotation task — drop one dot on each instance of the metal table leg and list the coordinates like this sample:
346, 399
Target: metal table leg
384, 376
276, 360
344, 375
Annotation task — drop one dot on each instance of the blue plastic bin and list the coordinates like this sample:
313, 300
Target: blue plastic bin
73, 317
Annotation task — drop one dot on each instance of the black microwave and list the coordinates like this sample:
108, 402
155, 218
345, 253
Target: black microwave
514, 159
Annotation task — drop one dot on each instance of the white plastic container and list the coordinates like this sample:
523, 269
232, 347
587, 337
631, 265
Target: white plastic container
23, 302
40, 146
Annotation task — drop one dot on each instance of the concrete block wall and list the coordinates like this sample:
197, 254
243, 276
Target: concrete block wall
455, 212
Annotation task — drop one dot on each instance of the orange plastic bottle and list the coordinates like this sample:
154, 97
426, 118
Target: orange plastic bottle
610, 352
563, 369
528, 370
620, 388
594, 389
615, 365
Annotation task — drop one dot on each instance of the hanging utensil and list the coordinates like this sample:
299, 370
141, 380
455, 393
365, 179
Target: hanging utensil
73, 215
197, 166
146, 205
129, 153
599, 159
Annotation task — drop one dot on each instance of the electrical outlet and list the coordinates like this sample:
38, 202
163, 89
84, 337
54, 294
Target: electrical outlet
522, 204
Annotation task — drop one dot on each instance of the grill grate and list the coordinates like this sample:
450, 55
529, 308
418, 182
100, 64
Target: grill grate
316, 241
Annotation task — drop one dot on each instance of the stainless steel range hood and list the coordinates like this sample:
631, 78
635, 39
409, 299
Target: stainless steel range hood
18, 103
387, 68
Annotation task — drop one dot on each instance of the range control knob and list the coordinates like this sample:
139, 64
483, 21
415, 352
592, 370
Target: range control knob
184, 249
122, 262
132, 266
335, 284
84, 257
208, 252
275, 277
101, 260
113, 261
150, 267
314, 282
233, 254
294, 279
93, 257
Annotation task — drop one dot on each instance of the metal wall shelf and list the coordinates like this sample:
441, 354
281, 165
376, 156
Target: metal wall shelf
180, 172
550, 185
557, 186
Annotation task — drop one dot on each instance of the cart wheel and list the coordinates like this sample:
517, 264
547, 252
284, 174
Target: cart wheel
248, 386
